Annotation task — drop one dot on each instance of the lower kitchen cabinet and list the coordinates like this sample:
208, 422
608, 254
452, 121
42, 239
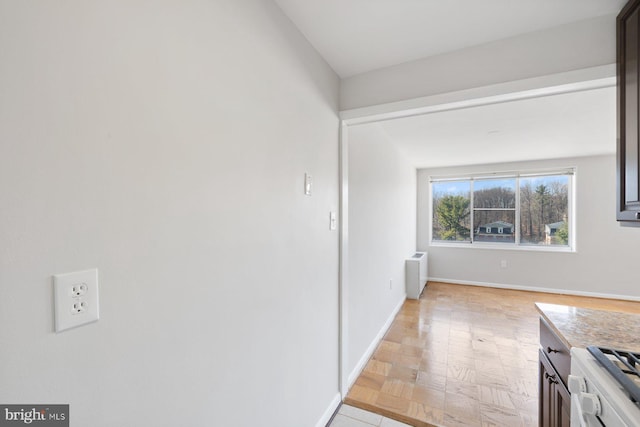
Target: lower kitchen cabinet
555, 400
555, 364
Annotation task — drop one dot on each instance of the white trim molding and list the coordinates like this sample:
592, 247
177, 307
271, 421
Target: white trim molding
554, 84
534, 289
353, 376
344, 260
328, 413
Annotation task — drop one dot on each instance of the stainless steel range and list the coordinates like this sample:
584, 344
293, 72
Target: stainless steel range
605, 388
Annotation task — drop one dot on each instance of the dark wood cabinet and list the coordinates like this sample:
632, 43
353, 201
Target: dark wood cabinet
554, 407
628, 150
563, 405
545, 392
555, 401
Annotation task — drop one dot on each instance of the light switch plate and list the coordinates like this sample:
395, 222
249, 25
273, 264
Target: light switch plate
76, 299
308, 183
332, 220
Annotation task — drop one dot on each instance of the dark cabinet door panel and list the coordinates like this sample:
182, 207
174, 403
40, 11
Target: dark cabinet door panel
628, 161
546, 393
563, 406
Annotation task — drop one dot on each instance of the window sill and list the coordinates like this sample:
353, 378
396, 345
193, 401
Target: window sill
504, 247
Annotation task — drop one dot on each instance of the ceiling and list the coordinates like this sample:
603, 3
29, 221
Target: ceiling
356, 36
567, 125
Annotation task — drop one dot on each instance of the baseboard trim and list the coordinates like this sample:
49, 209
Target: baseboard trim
353, 376
535, 289
328, 413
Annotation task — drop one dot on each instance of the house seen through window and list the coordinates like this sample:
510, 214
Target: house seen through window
514, 209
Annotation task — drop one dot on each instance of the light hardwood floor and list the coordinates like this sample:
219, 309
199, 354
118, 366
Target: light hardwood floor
462, 356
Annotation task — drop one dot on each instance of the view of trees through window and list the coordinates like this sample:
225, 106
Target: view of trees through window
525, 210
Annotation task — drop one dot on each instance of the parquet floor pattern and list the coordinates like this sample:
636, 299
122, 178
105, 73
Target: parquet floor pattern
462, 356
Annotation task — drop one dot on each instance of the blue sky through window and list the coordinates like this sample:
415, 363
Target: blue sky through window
545, 180
455, 188
486, 184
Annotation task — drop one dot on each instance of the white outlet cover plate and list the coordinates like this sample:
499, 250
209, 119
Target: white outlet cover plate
73, 290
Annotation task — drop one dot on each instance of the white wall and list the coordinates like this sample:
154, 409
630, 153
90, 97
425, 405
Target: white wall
165, 143
382, 234
601, 265
569, 47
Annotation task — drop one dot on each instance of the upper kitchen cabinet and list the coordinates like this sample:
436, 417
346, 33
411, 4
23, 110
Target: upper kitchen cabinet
628, 194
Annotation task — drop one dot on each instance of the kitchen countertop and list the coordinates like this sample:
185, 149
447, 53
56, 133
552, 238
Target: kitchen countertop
582, 327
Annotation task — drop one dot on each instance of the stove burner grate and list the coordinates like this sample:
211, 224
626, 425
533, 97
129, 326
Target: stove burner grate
624, 366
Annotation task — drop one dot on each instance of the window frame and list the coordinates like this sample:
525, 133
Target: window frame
517, 245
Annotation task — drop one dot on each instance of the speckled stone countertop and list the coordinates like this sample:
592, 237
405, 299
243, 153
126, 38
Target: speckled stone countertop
582, 327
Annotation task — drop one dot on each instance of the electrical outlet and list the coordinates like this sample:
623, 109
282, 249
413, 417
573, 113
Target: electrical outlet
79, 289
79, 307
75, 299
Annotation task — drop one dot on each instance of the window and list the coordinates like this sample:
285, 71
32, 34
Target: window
451, 214
512, 209
494, 206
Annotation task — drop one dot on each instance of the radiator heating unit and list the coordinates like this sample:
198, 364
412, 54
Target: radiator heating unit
416, 274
